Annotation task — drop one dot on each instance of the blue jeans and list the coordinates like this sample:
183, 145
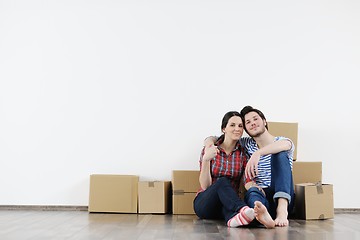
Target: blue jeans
219, 201
281, 186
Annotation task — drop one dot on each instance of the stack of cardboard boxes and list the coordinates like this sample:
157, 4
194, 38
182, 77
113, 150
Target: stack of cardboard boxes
313, 199
185, 186
126, 194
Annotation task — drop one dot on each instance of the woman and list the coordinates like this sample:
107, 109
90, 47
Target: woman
221, 167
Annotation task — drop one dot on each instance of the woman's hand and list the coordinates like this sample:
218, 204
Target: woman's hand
205, 172
251, 169
209, 141
210, 152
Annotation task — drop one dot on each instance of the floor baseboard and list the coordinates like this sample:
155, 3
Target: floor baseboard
346, 210
44, 207
85, 208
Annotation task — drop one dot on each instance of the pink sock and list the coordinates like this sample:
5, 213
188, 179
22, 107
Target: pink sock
244, 217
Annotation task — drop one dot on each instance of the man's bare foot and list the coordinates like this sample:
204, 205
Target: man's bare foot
281, 220
282, 214
263, 216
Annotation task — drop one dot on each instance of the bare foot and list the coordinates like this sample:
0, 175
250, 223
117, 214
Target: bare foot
263, 216
282, 215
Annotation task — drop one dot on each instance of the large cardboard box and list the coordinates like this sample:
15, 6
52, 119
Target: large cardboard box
185, 184
113, 193
307, 172
314, 201
154, 196
183, 203
185, 180
289, 130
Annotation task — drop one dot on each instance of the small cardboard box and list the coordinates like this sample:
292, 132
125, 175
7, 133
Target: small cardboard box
113, 193
307, 172
185, 184
284, 129
314, 201
183, 203
154, 196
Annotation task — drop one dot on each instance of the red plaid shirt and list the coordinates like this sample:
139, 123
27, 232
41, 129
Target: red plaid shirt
231, 166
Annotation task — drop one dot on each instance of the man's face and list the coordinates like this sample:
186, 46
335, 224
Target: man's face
254, 124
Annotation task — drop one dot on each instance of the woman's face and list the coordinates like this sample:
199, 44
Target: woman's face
234, 128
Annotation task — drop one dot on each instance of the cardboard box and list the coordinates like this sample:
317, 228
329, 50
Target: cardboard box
185, 180
113, 193
154, 197
307, 172
289, 130
314, 201
185, 184
183, 203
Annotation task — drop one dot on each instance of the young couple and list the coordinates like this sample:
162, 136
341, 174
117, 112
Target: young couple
262, 160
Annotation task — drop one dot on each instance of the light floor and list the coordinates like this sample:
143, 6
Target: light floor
38, 225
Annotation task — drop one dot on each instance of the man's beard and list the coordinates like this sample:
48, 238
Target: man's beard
258, 134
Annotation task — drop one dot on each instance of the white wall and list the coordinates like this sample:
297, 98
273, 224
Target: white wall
133, 87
